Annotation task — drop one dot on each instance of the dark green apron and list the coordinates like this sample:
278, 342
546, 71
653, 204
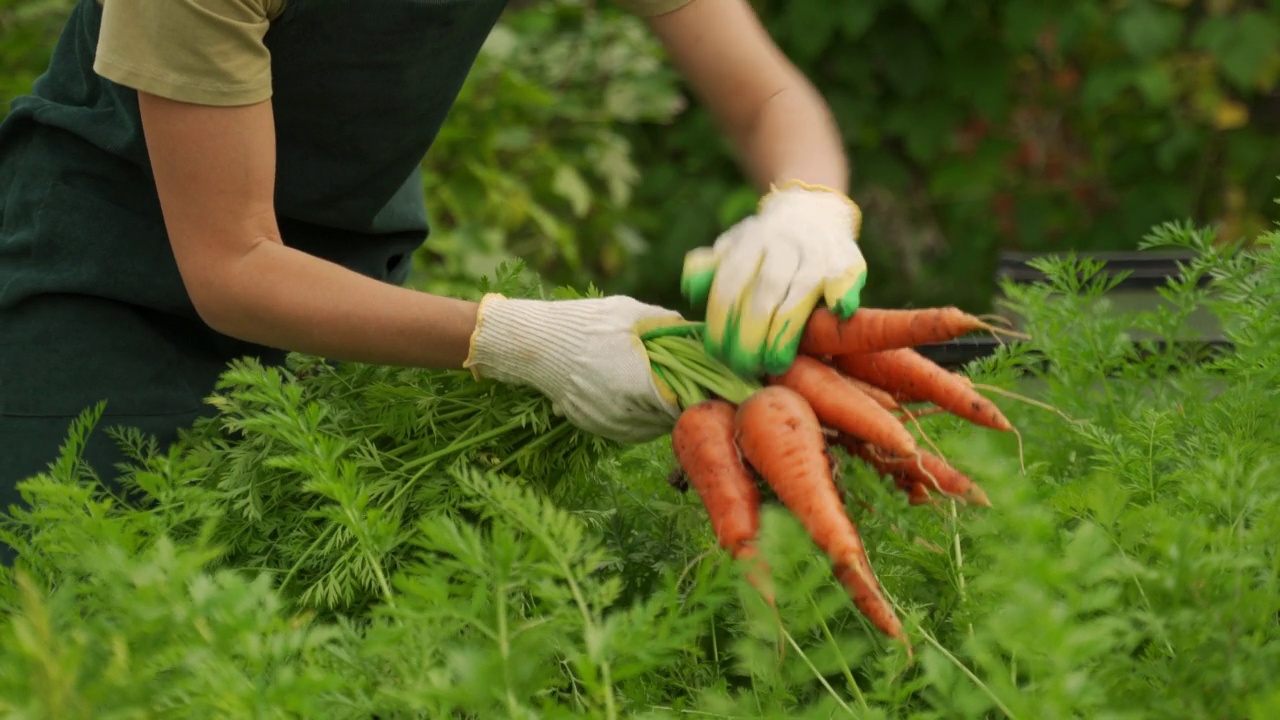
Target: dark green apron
91, 304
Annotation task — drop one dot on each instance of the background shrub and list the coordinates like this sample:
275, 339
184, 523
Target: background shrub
974, 127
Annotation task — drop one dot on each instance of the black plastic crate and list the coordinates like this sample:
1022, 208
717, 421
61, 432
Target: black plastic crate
1144, 272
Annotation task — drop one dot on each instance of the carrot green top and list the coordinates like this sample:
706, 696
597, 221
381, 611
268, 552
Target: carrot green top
212, 51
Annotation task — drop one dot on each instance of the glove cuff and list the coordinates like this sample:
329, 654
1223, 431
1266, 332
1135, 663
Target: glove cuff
486, 303
519, 341
804, 197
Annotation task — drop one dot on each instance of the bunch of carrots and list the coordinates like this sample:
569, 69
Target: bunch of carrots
855, 384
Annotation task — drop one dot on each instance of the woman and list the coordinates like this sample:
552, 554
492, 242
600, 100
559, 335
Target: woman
198, 180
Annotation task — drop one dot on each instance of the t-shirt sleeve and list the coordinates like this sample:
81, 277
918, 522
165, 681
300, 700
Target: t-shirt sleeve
650, 8
209, 52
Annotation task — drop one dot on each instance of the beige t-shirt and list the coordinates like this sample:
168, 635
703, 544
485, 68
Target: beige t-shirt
211, 51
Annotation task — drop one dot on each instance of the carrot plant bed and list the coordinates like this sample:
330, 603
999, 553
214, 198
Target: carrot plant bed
346, 541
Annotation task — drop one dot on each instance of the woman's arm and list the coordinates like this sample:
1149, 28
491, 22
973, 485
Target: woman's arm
781, 126
215, 172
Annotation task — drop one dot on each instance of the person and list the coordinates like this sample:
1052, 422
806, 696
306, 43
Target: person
193, 181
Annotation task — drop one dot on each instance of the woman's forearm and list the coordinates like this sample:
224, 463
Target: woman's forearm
780, 126
215, 174
284, 298
794, 137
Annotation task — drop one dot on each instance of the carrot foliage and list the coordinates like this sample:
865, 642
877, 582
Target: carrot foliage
347, 541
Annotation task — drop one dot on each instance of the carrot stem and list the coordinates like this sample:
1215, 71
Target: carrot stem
687, 358
681, 330
688, 394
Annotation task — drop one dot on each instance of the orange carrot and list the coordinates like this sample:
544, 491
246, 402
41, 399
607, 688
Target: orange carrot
839, 404
910, 376
703, 441
909, 415
917, 493
873, 329
928, 470
882, 398
905, 396
781, 437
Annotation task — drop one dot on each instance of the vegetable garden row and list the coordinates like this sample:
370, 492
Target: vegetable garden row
1081, 525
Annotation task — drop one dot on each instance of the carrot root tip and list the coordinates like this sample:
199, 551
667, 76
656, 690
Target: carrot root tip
995, 318
758, 574
1030, 401
678, 480
1022, 460
977, 496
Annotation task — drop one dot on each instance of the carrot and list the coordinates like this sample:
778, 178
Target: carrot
929, 470
917, 493
874, 329
781, 437
882, 398
909, 415
905, 373
703, 441
915, 397
839, 404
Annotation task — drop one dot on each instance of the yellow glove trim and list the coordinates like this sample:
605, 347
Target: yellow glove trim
469, 362
774, 188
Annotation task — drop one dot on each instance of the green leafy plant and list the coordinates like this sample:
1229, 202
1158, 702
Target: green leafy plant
28, 31
283, 560
340, 540
533, 161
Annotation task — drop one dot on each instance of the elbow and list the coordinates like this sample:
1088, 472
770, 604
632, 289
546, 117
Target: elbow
214, 304
218, 296
221, 291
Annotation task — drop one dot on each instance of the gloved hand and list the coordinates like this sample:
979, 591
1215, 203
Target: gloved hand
585, 355
764, 276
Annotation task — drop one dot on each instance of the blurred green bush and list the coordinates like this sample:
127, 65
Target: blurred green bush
981, 125
28, 31
974, 126
535, 159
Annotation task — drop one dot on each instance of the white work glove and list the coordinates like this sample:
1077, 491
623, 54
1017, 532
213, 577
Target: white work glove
765, 275
585, 355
